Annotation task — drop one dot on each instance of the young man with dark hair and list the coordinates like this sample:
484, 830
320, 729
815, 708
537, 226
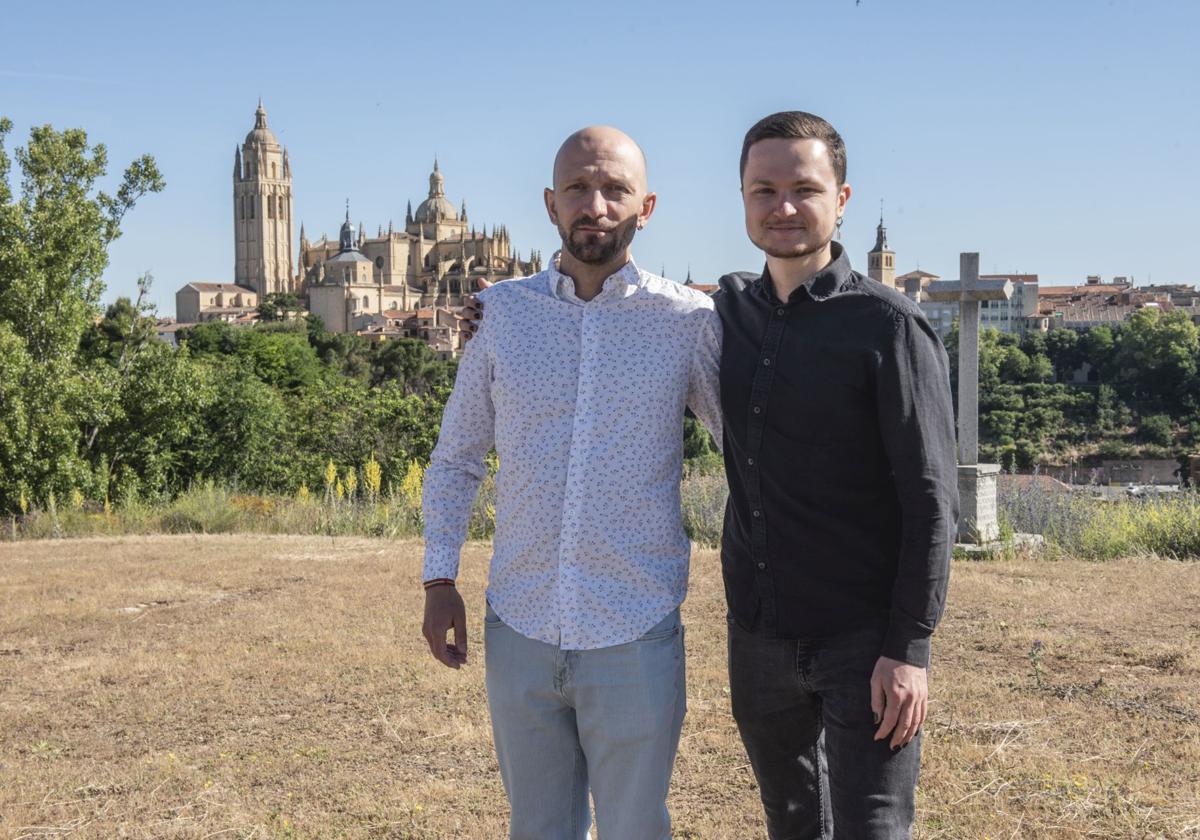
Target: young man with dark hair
840, 456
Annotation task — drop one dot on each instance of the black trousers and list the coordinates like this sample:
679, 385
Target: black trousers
803, 709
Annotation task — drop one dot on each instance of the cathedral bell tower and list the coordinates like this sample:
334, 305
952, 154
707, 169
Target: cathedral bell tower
881, 261
262, 211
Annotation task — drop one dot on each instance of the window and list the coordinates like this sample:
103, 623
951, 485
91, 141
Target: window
252, 202
366, 302
270, 207
242, 208
273, 171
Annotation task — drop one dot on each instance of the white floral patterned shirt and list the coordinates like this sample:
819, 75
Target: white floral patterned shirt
584, 403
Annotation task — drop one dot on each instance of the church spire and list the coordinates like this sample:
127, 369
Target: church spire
237, 162
346, 235
880, 232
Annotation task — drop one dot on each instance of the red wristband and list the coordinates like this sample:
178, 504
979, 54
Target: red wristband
429, 584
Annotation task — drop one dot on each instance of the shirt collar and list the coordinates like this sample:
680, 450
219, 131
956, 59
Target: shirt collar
826, 283
627, 279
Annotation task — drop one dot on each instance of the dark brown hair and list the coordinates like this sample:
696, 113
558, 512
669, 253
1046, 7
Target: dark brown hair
798, 125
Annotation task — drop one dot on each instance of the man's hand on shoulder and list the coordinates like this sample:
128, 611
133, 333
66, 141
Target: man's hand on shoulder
899, 699
444, 609
471, 314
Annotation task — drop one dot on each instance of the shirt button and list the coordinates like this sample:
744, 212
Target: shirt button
779, 312
758, 409
762, 565
750, 461
757, 514
767, 362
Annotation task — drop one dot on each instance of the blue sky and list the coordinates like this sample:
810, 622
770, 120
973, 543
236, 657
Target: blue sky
1058, 138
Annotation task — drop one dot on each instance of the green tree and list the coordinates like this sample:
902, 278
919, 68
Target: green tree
1065, 351
1158, 429
243, 430
54, 238
1157, 354
410, 364
279, 306
284, 359
212, 338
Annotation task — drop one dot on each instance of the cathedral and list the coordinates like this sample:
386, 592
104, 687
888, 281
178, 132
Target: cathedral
378, 286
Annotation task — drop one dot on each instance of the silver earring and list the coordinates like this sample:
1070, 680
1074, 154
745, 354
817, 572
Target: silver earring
839, 228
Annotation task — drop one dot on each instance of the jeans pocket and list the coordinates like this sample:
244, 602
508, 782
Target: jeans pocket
668, 628
490, 619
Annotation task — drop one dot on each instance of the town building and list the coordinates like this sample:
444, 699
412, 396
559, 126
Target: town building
229, 302
1012, 315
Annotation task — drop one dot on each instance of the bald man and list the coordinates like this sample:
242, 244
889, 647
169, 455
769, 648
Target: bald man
579, 378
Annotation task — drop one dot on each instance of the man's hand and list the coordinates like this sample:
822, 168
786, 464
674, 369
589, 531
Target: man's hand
444, 609
899, 699
471, 314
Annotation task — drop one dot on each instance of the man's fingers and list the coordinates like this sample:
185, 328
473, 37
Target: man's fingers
460, 636
437, 646
904, 723
891, 714
878, 699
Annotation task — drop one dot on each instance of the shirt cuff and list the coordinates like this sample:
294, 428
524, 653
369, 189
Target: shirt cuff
441, 561
903, 646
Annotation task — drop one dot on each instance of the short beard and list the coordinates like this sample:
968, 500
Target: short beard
793, 253
593, 251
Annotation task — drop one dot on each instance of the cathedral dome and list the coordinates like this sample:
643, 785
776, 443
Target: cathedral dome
260, 134
437, 207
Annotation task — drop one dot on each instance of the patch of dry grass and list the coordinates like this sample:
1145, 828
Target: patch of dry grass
277, 687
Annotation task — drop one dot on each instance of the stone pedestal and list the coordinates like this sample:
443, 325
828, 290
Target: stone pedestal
977, 522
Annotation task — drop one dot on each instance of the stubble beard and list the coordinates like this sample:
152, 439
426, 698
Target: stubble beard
593, 250
794, 253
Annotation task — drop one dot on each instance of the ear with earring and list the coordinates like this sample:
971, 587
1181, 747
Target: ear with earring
839, 228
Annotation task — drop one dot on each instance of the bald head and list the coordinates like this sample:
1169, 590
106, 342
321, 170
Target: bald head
599, 199
596, 144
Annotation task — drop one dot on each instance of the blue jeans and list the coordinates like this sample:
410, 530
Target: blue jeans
803, 709
567, 720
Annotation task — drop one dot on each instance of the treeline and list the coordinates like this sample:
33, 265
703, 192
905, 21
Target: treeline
1139, 395
94, 408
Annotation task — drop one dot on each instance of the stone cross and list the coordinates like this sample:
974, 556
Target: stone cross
969, 290
976, 482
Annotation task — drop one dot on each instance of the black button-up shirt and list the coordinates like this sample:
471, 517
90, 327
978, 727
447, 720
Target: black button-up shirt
840, 455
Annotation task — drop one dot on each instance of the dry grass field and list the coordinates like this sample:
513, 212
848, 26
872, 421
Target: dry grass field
277, 687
